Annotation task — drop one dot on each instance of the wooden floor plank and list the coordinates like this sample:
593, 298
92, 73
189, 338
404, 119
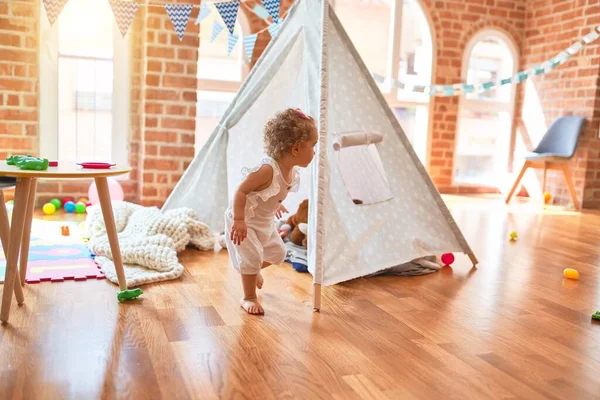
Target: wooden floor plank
513, 328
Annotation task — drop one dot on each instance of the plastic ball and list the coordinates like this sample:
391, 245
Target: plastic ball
448, 258
571, 273
69, 206
10, 202
547, 198
513, 235
49, 209
114, 188
67, 199
80, 208
82, 200
57, 203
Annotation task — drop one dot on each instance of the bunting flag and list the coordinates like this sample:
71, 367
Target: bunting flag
249, 43
179, 14
260, 11
228, 12
202, 14
272, 7
274, 28
53, 9
124, 11
231, 41
217, 29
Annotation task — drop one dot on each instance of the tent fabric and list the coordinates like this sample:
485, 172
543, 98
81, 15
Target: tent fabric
313, 65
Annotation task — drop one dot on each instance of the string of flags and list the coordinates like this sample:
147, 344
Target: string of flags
124, 12
459, 88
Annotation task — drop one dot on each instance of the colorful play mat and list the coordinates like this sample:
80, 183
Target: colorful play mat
54, 257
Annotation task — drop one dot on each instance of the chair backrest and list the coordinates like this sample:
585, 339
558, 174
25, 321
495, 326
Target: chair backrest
562, 137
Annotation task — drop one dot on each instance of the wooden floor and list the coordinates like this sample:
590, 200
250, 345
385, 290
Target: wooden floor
513, 328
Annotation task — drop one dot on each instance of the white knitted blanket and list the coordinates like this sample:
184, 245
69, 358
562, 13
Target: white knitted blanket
149, 240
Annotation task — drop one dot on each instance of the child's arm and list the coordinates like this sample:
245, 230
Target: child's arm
254, 182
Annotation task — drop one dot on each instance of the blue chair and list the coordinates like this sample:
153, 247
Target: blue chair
553, 152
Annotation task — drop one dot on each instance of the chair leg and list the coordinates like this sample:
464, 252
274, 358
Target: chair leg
544, 180
570, 186
516, 184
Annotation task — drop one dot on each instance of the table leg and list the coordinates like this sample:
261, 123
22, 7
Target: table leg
14, 243
111, 229
24, 255
4, 235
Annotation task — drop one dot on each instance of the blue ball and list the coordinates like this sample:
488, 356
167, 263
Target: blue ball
69, 206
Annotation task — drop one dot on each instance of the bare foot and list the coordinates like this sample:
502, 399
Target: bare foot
259, 281
252, 306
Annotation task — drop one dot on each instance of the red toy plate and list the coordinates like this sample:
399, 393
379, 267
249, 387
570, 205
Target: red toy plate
96, 165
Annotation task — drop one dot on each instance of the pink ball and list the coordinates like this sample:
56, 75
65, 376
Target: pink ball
114, 187
448, 258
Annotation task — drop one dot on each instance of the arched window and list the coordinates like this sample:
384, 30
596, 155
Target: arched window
219, 78
485, 118
393, 38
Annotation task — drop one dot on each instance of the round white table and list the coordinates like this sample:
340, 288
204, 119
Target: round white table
20, 227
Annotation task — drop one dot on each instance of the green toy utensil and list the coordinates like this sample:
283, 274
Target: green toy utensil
596, 315
129, 294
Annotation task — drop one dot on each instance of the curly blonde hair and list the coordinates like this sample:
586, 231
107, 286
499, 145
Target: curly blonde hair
285, 129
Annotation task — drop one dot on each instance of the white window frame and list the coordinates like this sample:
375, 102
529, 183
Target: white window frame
216, 85
390, 92
487, 105
121, 97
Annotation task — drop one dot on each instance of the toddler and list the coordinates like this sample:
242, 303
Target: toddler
251, 235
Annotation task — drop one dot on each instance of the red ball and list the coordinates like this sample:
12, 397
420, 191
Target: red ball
448, 258
67, 199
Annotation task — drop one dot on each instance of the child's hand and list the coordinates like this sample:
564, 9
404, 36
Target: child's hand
280, 211
239, 231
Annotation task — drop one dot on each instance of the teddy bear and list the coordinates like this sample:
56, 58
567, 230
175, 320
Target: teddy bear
298, 224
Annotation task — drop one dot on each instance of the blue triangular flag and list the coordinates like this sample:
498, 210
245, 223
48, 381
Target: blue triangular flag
203, 13
249, 43
231, 43
228, 11
217, 29
274, 28
272, 7
260, 11
179, 14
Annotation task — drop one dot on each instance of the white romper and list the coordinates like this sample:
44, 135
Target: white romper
263, 242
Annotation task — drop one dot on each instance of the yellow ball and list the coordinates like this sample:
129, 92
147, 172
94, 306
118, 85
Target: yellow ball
83, 200
513, 235
49, 209
547, 197
571, 273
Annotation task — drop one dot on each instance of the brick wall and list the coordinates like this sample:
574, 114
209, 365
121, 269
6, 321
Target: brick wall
169, 105
19, 78
572, 89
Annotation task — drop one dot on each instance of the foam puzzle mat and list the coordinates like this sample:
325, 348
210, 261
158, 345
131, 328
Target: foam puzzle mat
54, 257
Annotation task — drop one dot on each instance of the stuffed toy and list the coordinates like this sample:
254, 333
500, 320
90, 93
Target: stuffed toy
296, 236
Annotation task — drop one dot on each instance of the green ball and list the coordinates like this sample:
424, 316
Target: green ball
80, 208
10, 202
56, 202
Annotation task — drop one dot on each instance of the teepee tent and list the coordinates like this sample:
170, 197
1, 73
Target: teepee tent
372, 205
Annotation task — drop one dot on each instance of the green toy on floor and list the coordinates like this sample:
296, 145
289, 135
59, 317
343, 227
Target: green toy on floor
596, 315
129, 294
